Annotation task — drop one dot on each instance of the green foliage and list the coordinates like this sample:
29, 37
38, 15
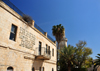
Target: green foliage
88, 62
58, 32
97, 62
72, 57
82, 53
66, 57
67, 52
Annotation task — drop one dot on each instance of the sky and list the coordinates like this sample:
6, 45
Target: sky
80, 18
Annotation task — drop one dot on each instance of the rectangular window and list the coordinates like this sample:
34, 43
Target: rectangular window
46, 48
13, 32
52, 52
39, 48
49, 50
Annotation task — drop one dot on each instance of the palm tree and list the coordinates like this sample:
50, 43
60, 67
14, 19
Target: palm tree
97, 62
67, 54
58, 32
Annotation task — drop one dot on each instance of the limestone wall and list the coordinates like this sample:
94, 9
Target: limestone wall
21, 53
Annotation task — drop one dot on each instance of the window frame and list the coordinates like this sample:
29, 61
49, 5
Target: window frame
52, 51
13, 32
40, 47
49, 50
46, 48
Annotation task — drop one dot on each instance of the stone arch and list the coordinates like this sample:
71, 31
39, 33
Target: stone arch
10, 69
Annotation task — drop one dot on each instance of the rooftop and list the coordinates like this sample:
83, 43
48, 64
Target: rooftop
11, 5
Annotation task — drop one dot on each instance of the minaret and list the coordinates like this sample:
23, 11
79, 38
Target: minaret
63, 43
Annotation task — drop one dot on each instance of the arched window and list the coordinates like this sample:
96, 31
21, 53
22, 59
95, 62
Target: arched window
33, 69
52, 69
10, 69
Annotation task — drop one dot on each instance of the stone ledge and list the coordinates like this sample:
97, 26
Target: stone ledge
30, 58
3, 46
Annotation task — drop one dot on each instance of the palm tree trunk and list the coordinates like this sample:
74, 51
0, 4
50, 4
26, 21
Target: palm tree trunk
69, 66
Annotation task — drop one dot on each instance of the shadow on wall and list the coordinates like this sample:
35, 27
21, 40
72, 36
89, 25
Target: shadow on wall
37, 65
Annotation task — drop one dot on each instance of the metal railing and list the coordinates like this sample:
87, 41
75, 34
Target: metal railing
43, 52
50, 38
11, 5
37, 27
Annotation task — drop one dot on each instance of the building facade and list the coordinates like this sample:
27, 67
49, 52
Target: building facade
23, 47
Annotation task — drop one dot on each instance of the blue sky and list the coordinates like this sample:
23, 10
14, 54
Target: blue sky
80, 18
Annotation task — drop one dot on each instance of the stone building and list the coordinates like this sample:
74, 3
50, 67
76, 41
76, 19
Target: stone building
23, 47
63, 43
